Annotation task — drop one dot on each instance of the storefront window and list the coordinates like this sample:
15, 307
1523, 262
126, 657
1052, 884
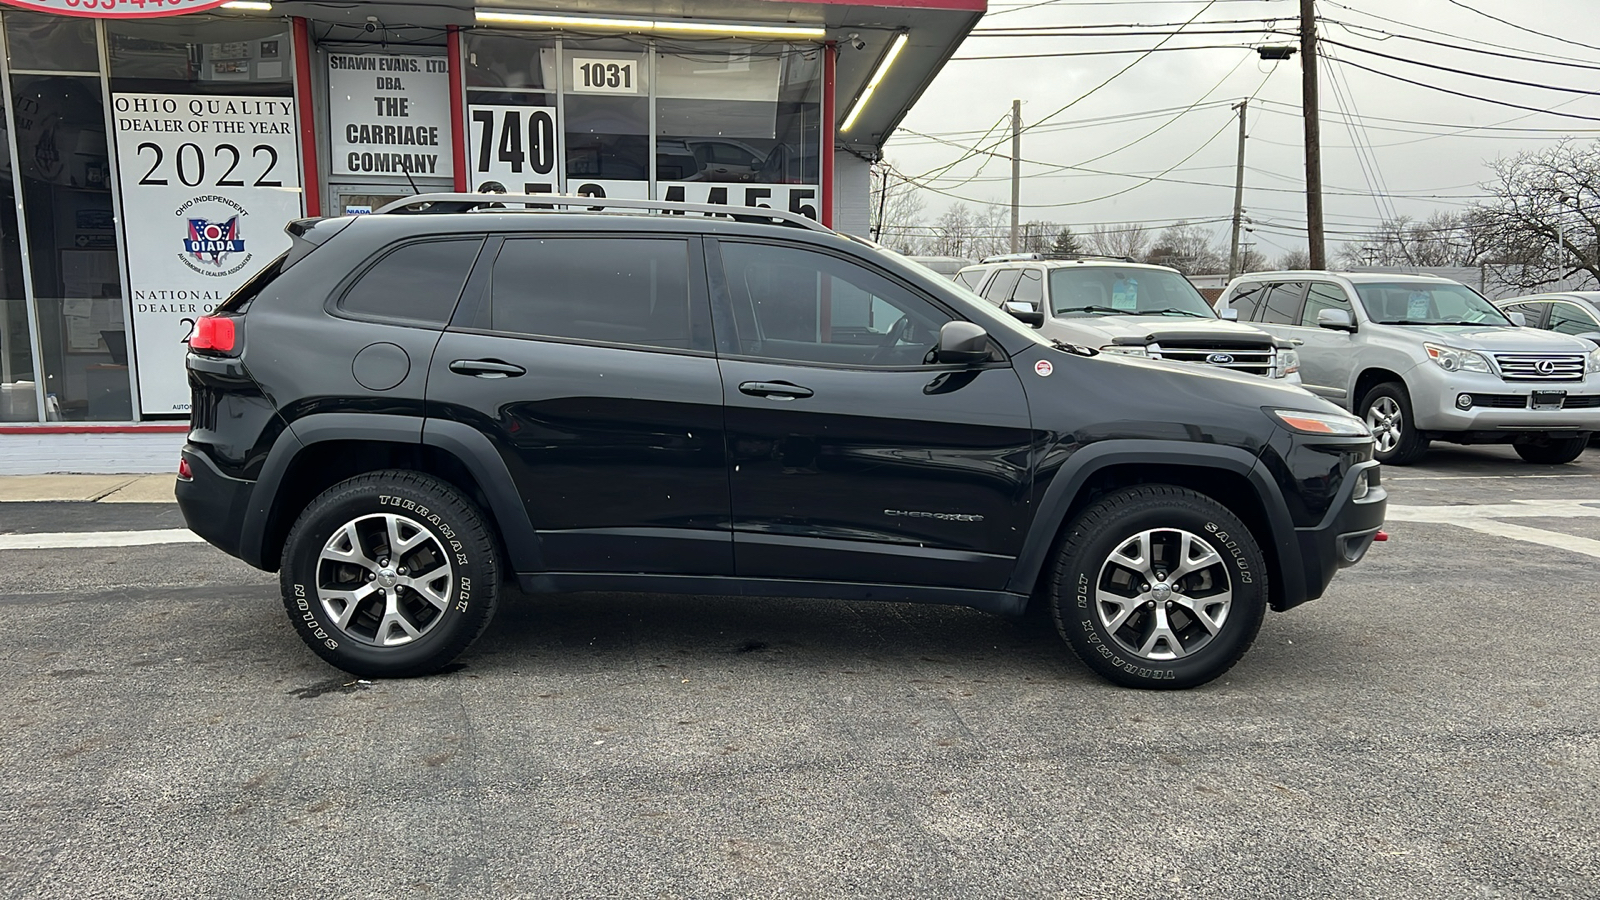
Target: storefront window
203, 56
18, 396
512, 138
607, 105
51, 43
742, 114
77, 284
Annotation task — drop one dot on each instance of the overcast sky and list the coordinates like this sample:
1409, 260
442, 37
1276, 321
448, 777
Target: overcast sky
1420, 164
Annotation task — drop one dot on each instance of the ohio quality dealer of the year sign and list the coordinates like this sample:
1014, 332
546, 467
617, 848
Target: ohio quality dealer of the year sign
116, 9
208, 182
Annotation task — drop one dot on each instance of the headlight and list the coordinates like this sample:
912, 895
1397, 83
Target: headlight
1320, 423
1288, 363
1592, 364
1125, 349
1452, 360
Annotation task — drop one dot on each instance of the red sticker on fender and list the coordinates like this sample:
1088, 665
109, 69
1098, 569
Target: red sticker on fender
1043, 368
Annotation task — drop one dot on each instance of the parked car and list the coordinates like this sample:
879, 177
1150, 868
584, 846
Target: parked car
947, 266
409, 409
1568, 312
1127, 308
1422, 358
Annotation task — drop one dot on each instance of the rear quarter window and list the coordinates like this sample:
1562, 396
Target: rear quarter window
414, 282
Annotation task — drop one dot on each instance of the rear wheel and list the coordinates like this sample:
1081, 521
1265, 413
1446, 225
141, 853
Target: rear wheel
390, 574
1553, 451
1159, 587
1387, 411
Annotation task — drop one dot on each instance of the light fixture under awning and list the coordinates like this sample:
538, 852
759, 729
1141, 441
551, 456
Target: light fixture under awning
877, 76
668, 26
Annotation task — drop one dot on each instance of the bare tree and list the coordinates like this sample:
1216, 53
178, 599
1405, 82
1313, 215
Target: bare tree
1442, 239
1543, 220
1118, 240
1038, 237
896, 212
1293, 260
1253, 260
1187, 248
953, 233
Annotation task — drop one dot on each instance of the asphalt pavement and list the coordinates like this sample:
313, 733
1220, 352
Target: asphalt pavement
1426, 730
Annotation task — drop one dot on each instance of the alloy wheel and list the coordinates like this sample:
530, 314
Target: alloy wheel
1386, 421
384, 580
1163, 594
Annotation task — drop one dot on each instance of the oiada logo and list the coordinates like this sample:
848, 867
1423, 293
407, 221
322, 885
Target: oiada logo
212, 242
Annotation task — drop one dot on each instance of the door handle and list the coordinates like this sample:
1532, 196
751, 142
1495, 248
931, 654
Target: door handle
775, 390
486, 368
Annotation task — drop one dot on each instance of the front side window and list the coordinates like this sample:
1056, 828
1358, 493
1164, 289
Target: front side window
1282, 303
1320, 296
417, 282
1247, 301
1569, 318
1031, 288
969, 280
611, 290
1532, 312
1116, 291
999, 290
1427, 303
804, 306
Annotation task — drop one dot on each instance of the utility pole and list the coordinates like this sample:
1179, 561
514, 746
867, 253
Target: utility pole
1238, 195
1016, 169
1308, 109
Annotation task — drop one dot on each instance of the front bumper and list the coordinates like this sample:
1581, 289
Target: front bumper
1346, 531
1434, 394
213, 505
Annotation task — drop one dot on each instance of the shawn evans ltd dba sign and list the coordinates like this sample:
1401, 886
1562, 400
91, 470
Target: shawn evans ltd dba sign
116, 9
207, 185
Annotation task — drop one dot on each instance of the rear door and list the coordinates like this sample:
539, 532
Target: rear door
855, 458
588, 361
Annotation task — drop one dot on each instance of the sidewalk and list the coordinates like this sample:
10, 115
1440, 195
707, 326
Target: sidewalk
87, 488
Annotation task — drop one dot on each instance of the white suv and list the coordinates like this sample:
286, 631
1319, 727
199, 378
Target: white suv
1424, 358
1134, 309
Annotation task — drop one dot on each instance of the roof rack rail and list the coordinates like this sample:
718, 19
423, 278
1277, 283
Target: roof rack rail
1035, 256
545, 203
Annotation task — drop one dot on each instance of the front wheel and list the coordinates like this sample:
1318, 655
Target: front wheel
390, 574
1553, 451
1387, 411
1159, 587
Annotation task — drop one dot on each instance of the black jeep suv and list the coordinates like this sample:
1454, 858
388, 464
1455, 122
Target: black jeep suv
410, 409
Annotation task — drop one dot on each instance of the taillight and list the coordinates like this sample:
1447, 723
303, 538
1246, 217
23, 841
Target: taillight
214, 333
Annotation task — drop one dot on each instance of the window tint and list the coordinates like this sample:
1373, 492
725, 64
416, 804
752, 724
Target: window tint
1569, 318
1321, 296
970, 279
1533, 312
999, 290
420, 282
1247, 301
1282, 305
1031, 288
795, 304
618, 290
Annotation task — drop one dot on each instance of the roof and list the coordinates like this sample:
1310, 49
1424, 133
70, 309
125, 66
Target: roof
1355, 277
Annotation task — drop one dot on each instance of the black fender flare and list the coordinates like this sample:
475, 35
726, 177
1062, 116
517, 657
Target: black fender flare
1069, 480
463, 442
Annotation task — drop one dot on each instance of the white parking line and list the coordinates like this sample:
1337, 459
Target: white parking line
1388, 478
69, 540
1485, 518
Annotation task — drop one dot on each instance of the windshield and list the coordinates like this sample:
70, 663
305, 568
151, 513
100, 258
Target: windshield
1114, 291
956, 287
1427, 303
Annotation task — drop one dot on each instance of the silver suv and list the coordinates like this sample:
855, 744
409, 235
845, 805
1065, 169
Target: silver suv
1424, 358
1134, 309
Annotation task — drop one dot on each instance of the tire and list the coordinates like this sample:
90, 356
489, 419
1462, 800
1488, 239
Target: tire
399, 624
1553, 451
1124, 642
1387, 411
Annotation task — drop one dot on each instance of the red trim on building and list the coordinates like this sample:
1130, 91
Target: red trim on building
458, 114
830, 106
309, 177
93, 429
969, 5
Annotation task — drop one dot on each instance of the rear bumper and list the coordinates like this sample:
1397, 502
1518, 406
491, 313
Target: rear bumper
1345, 534
213, 505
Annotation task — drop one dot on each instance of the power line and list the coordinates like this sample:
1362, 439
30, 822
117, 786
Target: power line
1443, 90
1427, 30
1522, 27
1418, 62
1365, 31
1068, 53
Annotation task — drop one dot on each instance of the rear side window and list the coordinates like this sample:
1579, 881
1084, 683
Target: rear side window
614, 290
1568, 318
1282, 304
416, 282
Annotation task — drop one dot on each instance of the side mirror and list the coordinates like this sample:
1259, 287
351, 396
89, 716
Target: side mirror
1336, 319
962, 344
1025, 313
1231, 314
1518, 319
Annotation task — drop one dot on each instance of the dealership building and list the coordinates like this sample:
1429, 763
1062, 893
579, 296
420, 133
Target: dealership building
155, 149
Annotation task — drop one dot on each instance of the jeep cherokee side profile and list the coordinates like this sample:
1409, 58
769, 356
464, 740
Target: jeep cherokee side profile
410, 409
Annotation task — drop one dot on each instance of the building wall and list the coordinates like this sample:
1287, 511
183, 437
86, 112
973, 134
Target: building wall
852, 194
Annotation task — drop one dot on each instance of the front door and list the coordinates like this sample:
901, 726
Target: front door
853, 457
588, 361
1327, 355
